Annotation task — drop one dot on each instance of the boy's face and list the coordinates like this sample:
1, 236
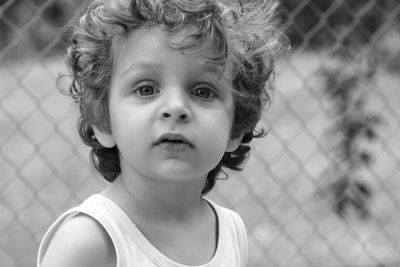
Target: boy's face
171, 114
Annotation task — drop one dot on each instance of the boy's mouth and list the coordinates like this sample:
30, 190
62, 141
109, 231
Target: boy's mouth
173, 139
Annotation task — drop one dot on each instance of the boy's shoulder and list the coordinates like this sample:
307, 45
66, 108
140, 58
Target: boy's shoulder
80, 241
226, 212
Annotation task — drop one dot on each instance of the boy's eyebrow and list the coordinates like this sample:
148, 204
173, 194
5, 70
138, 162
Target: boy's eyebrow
217, 70
214, 69
141, 65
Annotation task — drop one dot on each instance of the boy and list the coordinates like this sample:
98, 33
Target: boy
169, 93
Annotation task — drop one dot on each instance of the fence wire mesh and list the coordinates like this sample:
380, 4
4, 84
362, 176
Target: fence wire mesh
305, 201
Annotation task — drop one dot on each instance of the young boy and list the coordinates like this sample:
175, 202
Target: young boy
169, 93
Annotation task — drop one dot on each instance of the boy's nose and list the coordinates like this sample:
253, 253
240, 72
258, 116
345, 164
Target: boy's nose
175, 107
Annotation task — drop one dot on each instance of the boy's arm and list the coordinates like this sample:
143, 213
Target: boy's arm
81, 241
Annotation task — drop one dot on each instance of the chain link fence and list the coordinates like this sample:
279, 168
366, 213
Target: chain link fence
305, 201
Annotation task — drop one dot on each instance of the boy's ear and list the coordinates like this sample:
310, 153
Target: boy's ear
234, 143
104, 138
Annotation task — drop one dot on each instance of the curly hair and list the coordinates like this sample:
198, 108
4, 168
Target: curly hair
247, 34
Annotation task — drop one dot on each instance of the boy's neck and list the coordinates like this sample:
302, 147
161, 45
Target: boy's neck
157, 200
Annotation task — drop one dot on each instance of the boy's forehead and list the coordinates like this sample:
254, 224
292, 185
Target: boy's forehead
174, 42
187, 42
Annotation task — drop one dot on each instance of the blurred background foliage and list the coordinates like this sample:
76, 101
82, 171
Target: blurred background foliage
351, 22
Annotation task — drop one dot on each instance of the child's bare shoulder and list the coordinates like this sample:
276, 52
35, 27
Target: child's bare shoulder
81, 241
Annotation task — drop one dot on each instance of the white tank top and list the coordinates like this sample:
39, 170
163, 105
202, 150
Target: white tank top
133, 249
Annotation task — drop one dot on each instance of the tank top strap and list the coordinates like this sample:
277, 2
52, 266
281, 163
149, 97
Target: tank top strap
233, 222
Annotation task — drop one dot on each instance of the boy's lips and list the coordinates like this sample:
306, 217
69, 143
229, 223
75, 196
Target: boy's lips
173, 139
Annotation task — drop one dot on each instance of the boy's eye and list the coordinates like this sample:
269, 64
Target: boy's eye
146, 90
204, 92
